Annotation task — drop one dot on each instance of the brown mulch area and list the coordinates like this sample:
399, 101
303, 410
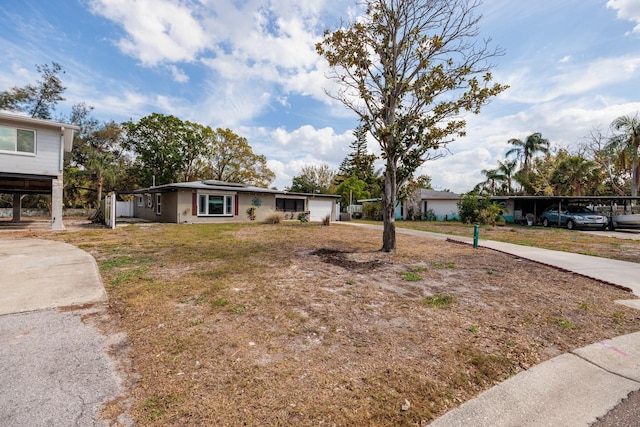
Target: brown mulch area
310, 325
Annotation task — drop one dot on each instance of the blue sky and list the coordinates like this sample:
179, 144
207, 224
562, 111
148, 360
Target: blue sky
573, 66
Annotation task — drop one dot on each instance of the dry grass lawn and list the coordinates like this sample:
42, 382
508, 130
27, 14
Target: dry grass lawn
289, 324
561, 239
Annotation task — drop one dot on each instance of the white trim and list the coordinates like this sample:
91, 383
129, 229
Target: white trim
228, 205
15, 142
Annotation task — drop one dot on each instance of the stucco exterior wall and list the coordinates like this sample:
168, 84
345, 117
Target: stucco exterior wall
182, 206
443, 209
266, 202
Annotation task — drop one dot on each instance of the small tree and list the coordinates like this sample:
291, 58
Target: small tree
352, 189
407, 69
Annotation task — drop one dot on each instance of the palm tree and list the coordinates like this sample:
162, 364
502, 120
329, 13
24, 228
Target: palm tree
102, 166
493, 176
572, 174
625, 142
507, 169
527, 149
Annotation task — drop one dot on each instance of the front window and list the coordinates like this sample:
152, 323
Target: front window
215, 205
290, 205
17, 140
158, 204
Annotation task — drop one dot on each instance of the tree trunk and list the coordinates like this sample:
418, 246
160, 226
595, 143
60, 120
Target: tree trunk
635, 179
100, 183
389, 209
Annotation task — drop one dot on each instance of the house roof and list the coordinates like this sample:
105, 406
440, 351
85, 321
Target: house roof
224, 186
437, 195
66, 130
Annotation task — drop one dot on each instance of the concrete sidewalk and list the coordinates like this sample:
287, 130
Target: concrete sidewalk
574, 389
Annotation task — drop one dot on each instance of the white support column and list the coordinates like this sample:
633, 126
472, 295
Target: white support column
56, 204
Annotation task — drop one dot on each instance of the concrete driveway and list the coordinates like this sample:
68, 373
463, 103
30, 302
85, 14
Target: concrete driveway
37, 274
54, 365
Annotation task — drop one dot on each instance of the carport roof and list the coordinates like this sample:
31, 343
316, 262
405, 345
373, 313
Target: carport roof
567, 198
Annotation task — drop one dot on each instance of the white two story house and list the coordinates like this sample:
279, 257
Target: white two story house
32, 160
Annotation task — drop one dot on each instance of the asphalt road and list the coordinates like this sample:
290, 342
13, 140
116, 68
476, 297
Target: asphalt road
54, 370
626, 414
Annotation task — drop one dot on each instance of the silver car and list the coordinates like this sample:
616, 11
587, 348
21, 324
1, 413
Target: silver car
574, 217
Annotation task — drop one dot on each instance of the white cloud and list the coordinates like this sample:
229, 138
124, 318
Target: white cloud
178, 75
321, 144
533, 85
157, 30
628, 10
289, 151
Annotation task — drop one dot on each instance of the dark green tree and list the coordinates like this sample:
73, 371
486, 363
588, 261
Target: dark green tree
163, 149
352, 189
575, 174
313, 180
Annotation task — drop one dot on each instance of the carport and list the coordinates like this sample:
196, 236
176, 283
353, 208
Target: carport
516, 208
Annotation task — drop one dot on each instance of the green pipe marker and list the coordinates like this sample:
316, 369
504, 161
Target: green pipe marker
476, 235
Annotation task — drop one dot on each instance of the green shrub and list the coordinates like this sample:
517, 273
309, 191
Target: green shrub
430, 215
251, 213
372, 210
475, 210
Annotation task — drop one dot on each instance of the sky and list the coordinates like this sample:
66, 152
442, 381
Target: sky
573, 66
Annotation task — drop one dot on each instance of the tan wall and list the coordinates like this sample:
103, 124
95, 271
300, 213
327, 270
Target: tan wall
185, 202
178, 207
167, 209
144, 212
267, 206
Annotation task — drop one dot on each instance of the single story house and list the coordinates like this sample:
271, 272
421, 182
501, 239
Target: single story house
32, 160
443, 205
217, 201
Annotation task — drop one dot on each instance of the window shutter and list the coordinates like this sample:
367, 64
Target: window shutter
236, 203
194, 203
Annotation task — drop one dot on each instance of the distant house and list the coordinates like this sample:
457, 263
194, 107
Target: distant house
32, 160
217, 201
442, 204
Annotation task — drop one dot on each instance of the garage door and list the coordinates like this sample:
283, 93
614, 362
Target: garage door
319, 209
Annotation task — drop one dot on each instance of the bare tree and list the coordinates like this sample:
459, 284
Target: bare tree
408, 69
596, 147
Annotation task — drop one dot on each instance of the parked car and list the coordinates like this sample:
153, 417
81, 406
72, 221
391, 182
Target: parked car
574, 217
625, 221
